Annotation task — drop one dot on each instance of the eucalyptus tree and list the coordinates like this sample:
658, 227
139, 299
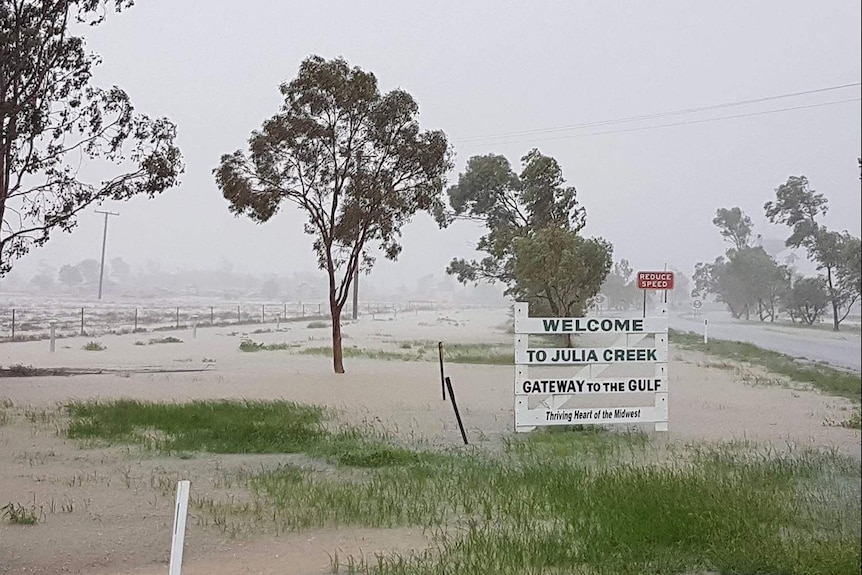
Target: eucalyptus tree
837, 254
350, 157
53, 120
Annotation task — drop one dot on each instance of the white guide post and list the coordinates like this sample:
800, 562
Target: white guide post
180, 513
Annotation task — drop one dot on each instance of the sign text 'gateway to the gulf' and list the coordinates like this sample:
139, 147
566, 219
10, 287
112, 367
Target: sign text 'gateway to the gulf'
655, 280
585, 386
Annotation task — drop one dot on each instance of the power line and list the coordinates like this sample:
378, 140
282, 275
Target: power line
658, 114
686, 123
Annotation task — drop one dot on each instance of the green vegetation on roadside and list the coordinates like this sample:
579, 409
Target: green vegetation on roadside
252, 346
476, 353
168, 339
6, 407
827, 379
563, 501
19, 514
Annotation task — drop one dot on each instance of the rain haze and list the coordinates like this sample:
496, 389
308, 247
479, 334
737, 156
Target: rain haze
498, 77
704, 412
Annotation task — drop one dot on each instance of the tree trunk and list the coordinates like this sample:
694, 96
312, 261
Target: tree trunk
832, 300
337, 355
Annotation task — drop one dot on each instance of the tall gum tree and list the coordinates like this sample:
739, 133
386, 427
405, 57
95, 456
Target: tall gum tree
52, 120
836, 254
353, 159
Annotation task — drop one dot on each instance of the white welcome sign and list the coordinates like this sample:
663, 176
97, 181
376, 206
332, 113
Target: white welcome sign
555, 386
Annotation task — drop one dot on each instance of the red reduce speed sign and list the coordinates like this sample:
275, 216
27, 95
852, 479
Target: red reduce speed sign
655, 280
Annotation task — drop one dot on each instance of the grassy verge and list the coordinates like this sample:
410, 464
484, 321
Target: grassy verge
571, 501
822, 377
477, 353
252, 346
826, 379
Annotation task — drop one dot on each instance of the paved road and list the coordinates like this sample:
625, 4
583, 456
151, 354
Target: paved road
838, 349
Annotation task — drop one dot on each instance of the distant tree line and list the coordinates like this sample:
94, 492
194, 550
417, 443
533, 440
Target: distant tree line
752, 283
620, 289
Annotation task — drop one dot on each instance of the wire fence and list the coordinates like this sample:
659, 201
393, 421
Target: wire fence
32, 322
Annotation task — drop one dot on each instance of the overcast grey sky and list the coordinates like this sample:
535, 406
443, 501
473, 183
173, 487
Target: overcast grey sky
487, 68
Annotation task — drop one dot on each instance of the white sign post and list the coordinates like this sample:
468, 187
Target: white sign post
584, 371
180, 512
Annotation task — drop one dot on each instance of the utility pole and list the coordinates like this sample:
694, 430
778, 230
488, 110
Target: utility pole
104, 241
356, 293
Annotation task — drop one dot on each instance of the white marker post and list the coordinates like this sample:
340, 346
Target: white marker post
180, 512
53, 334
705, 331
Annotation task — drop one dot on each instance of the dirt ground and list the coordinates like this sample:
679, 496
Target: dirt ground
110, 511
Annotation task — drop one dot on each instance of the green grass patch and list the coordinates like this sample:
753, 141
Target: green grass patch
476, 353
18, 514
354, 352
563, 511
212, 426
591, 442
571, 500
481, 353
168, 339
854, 421
94, 346
317, 325
233, 427
252, 346
827, 379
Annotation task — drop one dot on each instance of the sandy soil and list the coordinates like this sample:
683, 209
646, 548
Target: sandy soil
109, 511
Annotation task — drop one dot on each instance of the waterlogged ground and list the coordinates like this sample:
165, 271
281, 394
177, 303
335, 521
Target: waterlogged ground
106, 506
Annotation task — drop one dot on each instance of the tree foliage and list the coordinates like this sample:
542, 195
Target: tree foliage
797, 206
89, 269
512, 206
807, 300
120, 270
70, 276
353, 159
52, 118
746, 279
837, 254
620, 287
734, 226
558, 271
